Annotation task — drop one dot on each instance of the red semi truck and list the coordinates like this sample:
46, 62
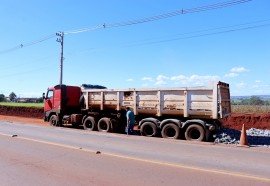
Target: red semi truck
190, 113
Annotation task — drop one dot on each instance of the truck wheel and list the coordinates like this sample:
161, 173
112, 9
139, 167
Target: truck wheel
53, 120
170, 131
195, 133
89, 123
148, 129
104, 125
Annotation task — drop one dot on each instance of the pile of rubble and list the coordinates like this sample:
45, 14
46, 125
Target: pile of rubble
256, 137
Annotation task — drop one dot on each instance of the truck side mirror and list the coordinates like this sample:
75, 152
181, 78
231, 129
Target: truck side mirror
43, 95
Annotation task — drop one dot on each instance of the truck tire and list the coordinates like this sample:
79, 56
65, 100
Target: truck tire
195, 132
171, 131
89, 123
148, 129
53, 120
104, 125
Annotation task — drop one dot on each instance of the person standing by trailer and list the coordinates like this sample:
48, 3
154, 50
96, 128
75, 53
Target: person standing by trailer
130, 121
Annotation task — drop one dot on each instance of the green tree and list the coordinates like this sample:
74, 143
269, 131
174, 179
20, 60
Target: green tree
254, 100
12, 96
40, 100
267, 102
2, 98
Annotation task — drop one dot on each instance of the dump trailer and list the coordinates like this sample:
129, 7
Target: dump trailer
190, 113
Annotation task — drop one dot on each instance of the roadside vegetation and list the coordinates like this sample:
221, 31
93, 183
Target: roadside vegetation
21, 104
253, 104
13, 100
250, 109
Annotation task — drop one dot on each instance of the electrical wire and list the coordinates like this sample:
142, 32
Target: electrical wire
133, 22
36, 70
22, 45
202, 35
149, 42
161, 16
196, 33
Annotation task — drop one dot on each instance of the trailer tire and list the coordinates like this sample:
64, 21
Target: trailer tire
53, 120
195, 132
89, 123
171, 131
148, 129
104, 125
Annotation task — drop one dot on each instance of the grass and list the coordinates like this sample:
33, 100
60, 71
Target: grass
21, 104
250, 109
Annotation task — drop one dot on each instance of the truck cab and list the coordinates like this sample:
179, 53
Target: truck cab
61, 100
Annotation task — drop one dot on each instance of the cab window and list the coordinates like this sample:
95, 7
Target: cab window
49, 94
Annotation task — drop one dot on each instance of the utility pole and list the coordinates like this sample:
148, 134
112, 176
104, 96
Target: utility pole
60, 39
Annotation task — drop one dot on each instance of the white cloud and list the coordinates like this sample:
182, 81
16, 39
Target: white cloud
241, 85
239, 69
162, 77
130, 79
181, 78
258, 81
232, 74
161, 80
195, 79
147, 79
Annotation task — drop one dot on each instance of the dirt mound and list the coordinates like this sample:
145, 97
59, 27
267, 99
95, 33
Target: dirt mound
29, 112
235, 121
257, 120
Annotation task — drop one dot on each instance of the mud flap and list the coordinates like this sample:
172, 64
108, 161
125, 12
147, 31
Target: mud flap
208, 135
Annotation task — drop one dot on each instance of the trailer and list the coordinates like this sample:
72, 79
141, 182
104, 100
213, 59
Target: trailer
190, 113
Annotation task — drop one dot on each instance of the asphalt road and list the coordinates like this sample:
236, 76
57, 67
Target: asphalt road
36, 155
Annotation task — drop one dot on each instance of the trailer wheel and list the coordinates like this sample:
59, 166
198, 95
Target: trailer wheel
89, 123
148, 129
104, 125
170, 131
195, 133
53, 120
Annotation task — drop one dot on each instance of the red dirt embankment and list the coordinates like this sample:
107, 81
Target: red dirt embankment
235, 121
28, 112
256, 120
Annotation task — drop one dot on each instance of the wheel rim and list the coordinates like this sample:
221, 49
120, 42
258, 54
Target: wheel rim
148, 130
170, 132
53, 121
103, 125
89, 124
195, 134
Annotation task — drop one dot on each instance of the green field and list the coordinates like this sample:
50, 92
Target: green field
21, 104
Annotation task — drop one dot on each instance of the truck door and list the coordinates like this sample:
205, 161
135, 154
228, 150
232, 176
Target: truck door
49, 101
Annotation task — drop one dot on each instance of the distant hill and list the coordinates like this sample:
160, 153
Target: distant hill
262, 97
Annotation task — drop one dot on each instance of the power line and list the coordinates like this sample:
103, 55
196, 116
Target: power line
23, 45
161, 16
203, 35
179, 38
25, 72
196, 34
136, 21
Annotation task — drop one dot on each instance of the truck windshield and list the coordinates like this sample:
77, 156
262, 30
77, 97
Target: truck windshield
49, 94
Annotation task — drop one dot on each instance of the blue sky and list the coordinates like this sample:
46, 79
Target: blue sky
230, 44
